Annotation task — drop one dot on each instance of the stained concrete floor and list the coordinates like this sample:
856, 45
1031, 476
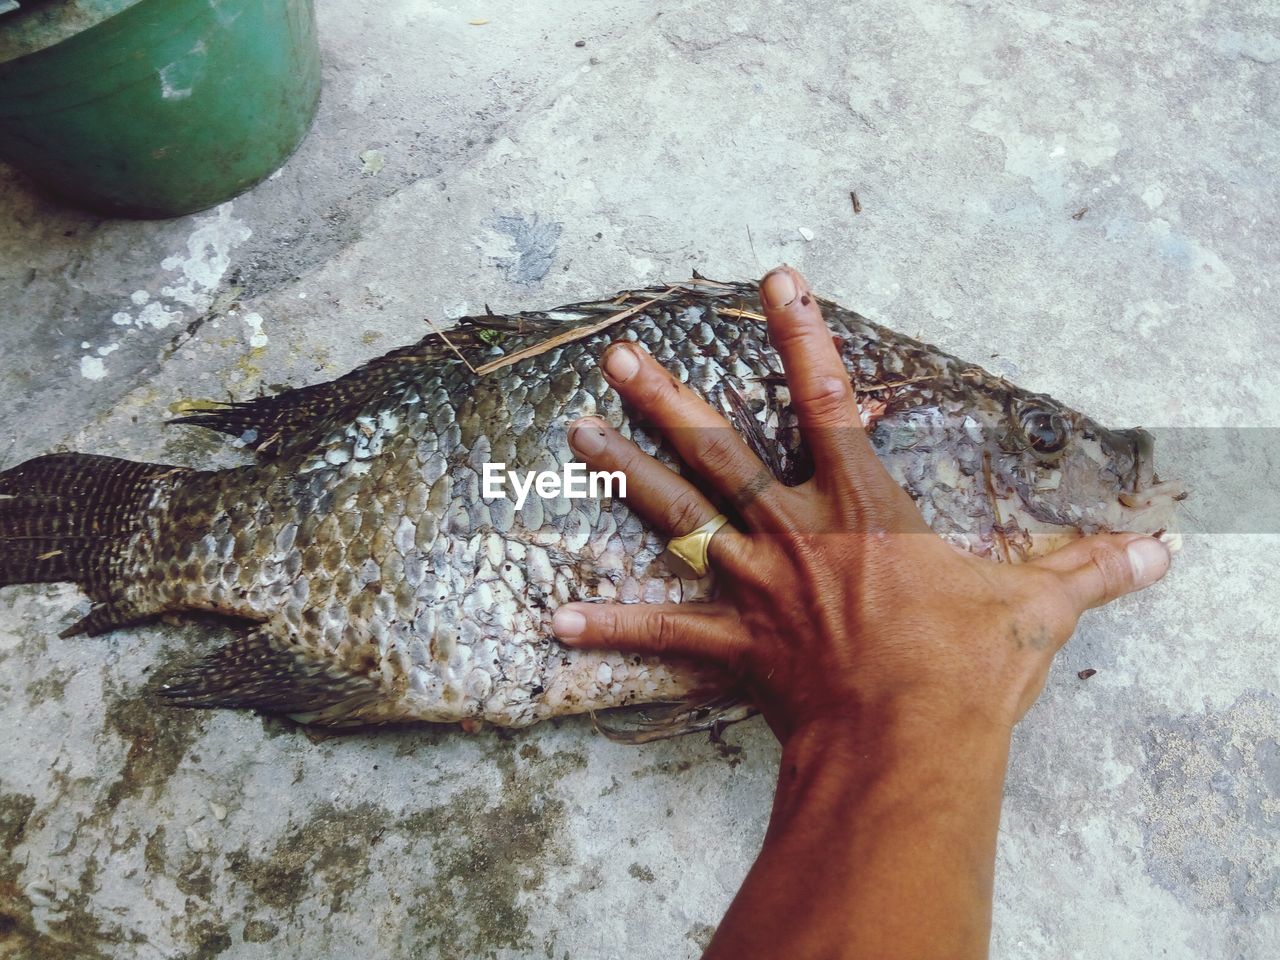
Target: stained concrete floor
519, 169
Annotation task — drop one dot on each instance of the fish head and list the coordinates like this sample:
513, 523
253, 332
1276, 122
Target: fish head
1054, 474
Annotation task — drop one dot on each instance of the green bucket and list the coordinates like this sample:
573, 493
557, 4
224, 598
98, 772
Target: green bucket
155, 108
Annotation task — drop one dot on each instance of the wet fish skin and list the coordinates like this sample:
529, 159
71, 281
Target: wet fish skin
383, 587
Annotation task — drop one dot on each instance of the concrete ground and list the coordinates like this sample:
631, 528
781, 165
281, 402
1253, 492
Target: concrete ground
1080, 196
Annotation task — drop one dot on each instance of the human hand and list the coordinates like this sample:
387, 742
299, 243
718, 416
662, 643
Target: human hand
836, 604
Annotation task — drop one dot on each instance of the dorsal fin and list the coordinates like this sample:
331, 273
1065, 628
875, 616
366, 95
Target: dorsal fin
294, 418
740, 415
301, 418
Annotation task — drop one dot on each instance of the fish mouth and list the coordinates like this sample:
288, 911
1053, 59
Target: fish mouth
1143, 445
1144, 487
1132, 458
1151, 499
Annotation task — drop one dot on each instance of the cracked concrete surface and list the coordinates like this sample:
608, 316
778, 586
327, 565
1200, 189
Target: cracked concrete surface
522, 170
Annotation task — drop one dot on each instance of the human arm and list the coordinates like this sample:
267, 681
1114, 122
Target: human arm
891, 666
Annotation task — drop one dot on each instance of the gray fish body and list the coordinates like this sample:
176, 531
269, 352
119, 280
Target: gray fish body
386, 587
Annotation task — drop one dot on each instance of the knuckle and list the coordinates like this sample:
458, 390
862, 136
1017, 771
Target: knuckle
607, 623
663, 631
717, 450
787, 513
829, 400
627, 457
795, 335
738, 560
655, 388
684, 513
1113, 569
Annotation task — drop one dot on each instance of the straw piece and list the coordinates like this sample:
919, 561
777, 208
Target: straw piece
569, 336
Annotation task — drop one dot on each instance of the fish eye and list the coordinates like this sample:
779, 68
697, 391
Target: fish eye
1045, 430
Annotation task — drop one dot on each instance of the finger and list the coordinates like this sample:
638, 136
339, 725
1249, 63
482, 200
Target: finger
705, 631
820, 386
654, 491
701, 436
1098, 569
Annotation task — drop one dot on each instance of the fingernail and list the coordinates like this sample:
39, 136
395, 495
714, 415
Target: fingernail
587, 436
621, 363
568, 624
778, 288
1149, 559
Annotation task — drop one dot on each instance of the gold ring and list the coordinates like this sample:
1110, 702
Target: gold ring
687, 555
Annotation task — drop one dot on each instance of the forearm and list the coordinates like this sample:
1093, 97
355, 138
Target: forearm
833, 593
879, 846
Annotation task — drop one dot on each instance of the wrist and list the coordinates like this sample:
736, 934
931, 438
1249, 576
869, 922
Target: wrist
894, 727
896, 749
896, 809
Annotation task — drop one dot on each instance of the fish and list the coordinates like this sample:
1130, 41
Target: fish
368, 580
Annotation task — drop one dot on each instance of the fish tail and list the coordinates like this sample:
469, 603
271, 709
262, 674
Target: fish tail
72, 517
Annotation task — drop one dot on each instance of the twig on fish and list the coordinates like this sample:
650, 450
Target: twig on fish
440, 333
701, 281
857, 204
998, 525
1079, 214
896, 383
577, 333
734, 312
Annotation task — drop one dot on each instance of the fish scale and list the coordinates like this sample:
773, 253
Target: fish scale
381, 586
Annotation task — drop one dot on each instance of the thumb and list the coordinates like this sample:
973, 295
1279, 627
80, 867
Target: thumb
1098, 569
